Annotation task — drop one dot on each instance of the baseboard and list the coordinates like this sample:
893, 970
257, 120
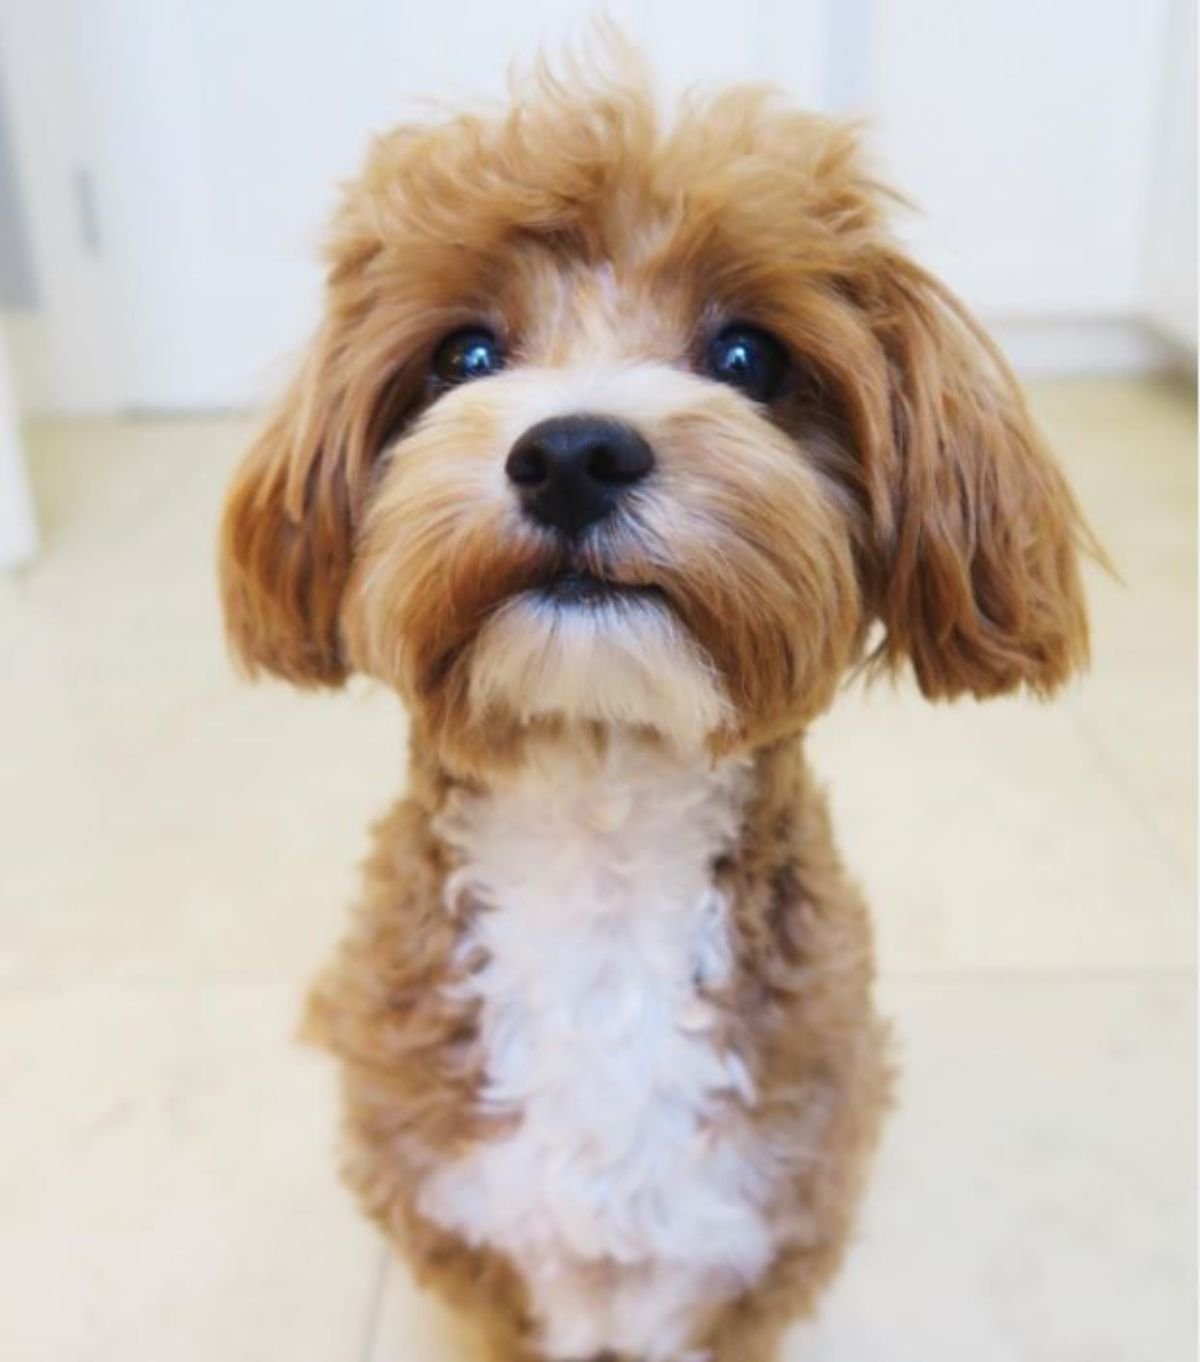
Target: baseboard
1048, 347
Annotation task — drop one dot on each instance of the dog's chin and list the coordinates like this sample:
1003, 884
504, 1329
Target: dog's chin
587, 649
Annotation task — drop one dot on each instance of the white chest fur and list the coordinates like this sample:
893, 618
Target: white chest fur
628, 1189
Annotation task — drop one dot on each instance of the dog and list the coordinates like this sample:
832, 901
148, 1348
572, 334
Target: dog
623, 442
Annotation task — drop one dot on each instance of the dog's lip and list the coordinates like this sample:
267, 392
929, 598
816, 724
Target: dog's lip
578, 587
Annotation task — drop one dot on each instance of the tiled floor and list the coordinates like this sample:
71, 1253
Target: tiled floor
178, 851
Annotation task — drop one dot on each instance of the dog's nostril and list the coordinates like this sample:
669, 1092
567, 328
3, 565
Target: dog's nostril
619, 463
527, 465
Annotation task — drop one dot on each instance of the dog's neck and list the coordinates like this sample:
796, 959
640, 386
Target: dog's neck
597, 821
774, 774
596, 941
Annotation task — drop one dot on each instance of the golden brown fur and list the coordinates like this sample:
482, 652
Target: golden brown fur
900, 485
801, 1011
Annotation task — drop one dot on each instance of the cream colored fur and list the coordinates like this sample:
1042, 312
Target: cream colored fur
624, 662
631, 1191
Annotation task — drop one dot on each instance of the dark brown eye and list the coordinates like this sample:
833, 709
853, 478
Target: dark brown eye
748, 359
473, 352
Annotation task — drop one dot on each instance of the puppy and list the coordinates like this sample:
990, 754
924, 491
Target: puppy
621, 443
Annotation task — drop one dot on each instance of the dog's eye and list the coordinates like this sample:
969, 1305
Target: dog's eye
467, 354
748, 359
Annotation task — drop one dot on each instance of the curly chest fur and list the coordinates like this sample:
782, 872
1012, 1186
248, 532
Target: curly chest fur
627, 1187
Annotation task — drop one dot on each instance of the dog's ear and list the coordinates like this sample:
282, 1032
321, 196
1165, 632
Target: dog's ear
289, 523
293, 512
977, 547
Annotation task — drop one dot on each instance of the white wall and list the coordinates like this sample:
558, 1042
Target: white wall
1024, 128
212, 131
1170, 237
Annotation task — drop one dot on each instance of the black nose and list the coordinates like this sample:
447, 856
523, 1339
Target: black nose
570, 471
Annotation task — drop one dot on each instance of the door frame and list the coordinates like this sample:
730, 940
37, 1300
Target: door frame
18, 530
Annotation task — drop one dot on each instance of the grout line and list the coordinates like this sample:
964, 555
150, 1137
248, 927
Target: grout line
374, 1308
1117, 773
18, 986
21, 983
1032, 974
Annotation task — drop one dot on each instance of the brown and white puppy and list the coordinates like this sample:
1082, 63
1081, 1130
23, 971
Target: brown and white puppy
617, 440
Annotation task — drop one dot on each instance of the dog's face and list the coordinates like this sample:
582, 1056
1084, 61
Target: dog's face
613, 424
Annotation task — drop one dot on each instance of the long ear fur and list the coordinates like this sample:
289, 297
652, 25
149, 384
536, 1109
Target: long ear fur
979, 585
288, 528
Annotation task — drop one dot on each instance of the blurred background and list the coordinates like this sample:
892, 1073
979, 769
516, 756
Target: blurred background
177, 850
166, 167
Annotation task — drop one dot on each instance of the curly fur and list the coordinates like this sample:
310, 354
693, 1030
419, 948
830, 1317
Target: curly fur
898, 490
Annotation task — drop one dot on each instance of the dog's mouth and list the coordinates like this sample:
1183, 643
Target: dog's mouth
591, 642
577, 589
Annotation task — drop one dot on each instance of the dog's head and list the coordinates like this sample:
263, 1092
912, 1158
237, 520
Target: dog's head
617, 423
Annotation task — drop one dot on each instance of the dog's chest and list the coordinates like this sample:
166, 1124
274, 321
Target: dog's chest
627, 1187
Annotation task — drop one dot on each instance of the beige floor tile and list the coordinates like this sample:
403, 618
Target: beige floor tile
414, 1326
995, 837
223, 838
167, 816
1036, 1190
1130, 448
1137, 707
167, 1185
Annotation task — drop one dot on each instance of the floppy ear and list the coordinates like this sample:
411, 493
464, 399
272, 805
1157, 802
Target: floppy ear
978, 582
289, 524
293, 512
